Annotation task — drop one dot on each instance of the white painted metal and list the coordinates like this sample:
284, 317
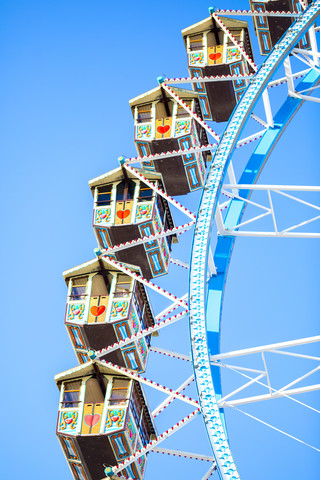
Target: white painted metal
160, 192
150, 383
147, 239
209, 472
267, 108
168, 400
270, 396
171, 308
289, 76
137, 336
232, 177
151, 285
266, 348
179, 263
179, 453
211, 266
252, 13
188, 109
297, 380
237, 390
237, 44
279, 189
155, 442
276, 429
293, 188
170, 353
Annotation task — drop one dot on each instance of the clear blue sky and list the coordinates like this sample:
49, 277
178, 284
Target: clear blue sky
68, 70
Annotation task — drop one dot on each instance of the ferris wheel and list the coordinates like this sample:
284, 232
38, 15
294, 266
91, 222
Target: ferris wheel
229, 194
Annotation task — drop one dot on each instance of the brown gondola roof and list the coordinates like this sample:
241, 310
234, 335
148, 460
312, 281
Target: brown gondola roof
206, 25
117, 175
93, 266
157, 94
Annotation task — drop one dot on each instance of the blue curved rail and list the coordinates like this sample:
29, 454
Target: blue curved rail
204, 331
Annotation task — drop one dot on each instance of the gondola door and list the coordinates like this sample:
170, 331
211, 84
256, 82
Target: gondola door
124, 202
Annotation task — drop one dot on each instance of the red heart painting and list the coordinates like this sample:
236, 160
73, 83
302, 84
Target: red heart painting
215, 56
68, 421
164, 129
114, 418
92, 420
97, 311
123, 213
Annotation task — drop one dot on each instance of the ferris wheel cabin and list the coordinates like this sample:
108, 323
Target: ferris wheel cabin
105, 306
126, 209
212, 53
103, 419
162, 125
269, 29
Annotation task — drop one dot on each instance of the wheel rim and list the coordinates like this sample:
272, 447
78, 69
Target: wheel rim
201, 345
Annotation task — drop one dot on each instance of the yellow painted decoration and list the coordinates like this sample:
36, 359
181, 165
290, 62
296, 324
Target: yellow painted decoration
98, 309
215, 55
92, 413
76, 310
68, 420
115, 418
163, 127
123, 212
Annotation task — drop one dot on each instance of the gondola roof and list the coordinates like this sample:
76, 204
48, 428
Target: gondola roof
94, 266
117, 175
206, 25
157, 94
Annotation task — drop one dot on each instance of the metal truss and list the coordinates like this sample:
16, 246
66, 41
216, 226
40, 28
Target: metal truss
276, 348
252, 13
199, 330
268, 210
150, 446
178, 453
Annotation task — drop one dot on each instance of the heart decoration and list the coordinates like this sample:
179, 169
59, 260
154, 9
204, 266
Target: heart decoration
97, 311
92, 420
123, 213
119, 309
76, 311
163, 130
215, 56
115, 418
68, 421
103, 215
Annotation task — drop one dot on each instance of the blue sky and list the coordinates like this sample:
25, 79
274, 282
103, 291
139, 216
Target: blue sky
69, 69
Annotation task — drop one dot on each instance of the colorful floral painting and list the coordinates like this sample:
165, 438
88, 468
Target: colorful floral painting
143, 131
131, 431
68, 422
182, 127
102, 216
144, 211
196, 58
134, 320
115, 419
119, 310
233, 54
76, 312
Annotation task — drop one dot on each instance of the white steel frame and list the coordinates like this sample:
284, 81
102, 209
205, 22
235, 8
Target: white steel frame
268, 209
